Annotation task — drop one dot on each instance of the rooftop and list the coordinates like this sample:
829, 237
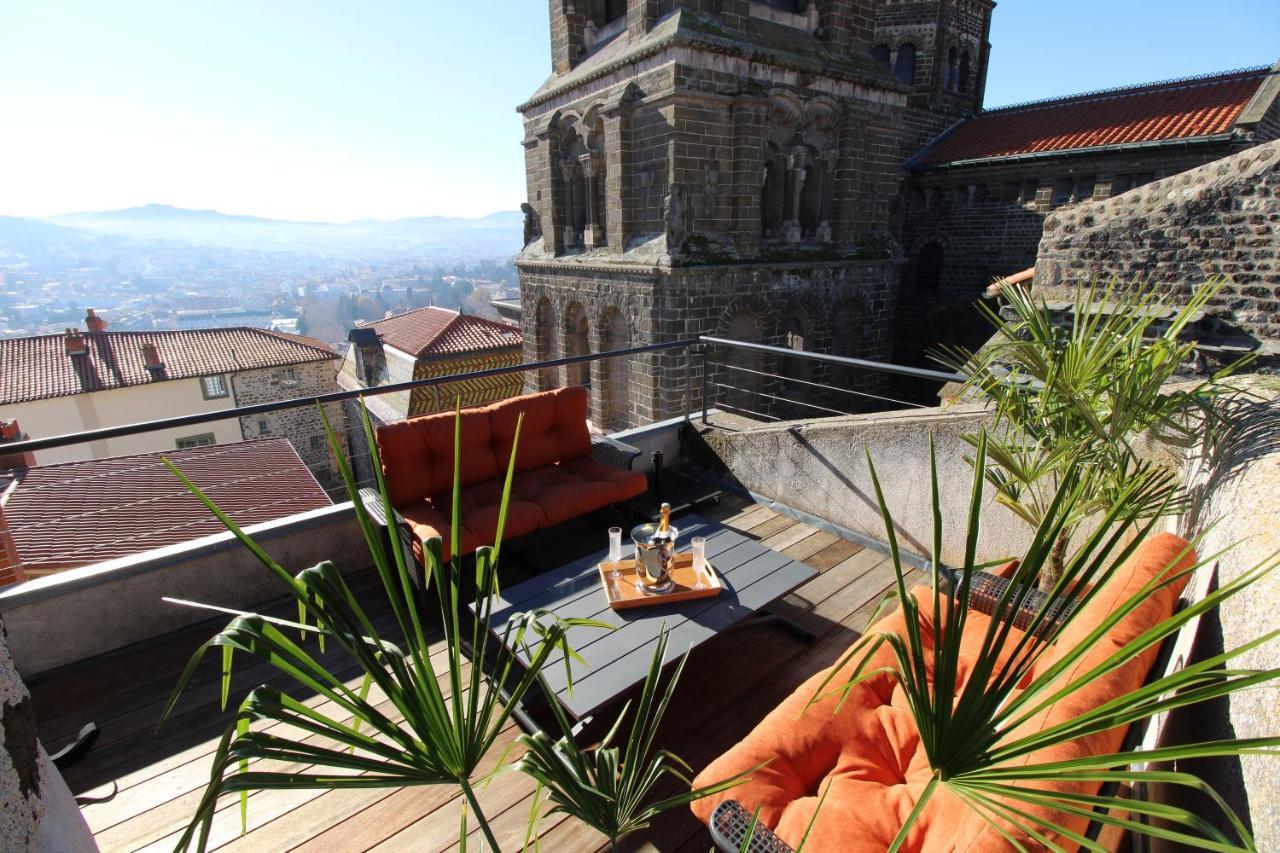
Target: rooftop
78, 513
1184, 109
39, 367
432, 331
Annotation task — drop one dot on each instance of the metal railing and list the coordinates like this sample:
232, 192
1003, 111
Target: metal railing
703, 375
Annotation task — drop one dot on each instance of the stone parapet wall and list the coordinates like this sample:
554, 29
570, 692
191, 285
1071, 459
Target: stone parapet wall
1220, 219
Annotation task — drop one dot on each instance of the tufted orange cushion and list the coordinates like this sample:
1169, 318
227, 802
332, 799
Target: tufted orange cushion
554, 429
417, 454
870, 754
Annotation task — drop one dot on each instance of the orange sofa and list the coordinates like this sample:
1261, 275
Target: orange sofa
870, 751
556, 478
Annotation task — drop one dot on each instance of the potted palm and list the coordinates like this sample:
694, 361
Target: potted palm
1084, 395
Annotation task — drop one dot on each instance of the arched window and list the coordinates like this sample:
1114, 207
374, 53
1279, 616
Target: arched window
929, 268
800, 339
577, 341
880, 53
773, 196
963, 85
615, 396
810, 213
848, 334
614, 9
905, 68
743, 367
543, 332
949, 79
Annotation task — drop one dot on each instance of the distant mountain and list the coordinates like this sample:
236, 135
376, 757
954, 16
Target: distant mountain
496, 235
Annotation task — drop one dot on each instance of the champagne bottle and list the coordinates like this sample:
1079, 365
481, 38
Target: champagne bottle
665, 521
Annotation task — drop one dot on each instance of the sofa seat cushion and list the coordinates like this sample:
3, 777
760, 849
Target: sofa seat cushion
870, 755
479, 510
576, 487
417, 454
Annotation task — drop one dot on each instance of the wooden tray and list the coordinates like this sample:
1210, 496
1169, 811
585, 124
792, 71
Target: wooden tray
624, 594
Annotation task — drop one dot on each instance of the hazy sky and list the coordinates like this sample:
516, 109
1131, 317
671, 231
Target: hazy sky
375, 108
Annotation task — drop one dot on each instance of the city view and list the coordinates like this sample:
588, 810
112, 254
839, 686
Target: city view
647, 425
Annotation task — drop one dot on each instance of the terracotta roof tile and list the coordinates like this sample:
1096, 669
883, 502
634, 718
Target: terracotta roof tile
77, 513
36, 368
438, 331
1179, 109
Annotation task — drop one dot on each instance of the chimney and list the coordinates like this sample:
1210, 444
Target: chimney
9, 433
77, 346
151, 358
93, 322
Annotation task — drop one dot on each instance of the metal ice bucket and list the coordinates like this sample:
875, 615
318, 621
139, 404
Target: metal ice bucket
655, 556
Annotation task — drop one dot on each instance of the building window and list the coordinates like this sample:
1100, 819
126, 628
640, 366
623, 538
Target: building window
949, 77
929, 268
1062, 189
317, 443
204, 439
213, 387
263, 426
289, 375
880, 53
963, 82
614, 9
905, 68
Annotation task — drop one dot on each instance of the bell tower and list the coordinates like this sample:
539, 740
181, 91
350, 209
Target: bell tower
940, 48
721, 167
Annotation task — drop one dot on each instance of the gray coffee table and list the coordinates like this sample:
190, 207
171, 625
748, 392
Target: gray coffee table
613, 662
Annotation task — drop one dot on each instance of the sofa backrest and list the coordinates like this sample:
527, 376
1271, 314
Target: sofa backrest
554, 428
417, 454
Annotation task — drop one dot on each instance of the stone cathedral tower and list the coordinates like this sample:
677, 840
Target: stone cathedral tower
727, 167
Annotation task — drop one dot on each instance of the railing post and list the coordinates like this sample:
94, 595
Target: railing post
700, 349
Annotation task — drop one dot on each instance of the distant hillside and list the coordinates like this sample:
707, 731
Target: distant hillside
496, 235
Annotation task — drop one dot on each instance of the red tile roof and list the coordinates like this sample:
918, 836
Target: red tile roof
438, 331
36, 368
1178, 109
76, 513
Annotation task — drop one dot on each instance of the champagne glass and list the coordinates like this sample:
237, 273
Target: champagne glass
615, 552
699, 544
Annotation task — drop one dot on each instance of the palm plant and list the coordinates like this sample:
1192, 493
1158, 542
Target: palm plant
972, 730
1084, 393
442, 727
608, 789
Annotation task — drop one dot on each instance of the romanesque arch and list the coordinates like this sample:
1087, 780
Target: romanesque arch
741, 377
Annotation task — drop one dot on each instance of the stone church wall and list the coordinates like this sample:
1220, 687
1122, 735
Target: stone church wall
1221, 219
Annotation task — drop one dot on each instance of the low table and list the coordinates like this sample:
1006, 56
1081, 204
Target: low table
613, 662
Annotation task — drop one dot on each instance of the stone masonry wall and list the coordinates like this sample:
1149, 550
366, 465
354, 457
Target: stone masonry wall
302, 425
1221, 219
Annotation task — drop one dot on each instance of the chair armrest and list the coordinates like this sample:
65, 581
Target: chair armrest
729, 825
611, 452
372, 501
985, 590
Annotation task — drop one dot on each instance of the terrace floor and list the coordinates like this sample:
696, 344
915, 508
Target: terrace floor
141, 787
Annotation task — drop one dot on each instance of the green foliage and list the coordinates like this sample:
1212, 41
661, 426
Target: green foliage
1085, 392
442, 724
971, 719
606, 788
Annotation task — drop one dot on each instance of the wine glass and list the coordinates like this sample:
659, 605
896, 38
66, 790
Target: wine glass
615, 552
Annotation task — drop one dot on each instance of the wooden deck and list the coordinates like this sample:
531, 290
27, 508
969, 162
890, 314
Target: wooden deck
147, 784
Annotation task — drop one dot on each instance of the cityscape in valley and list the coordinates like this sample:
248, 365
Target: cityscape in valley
788, 449
159, 267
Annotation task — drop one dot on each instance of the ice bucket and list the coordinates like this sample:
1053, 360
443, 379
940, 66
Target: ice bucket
655, 556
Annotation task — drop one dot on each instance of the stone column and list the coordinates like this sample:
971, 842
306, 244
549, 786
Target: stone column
546, 191
795, 186
570, 232
591, 232
617, 196
826, 172
746, 173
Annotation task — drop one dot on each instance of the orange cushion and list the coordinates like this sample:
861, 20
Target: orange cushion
554, 428
417, 454
479, 506
870, 755
576, 487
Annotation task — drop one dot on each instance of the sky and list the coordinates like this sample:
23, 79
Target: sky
335, 111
